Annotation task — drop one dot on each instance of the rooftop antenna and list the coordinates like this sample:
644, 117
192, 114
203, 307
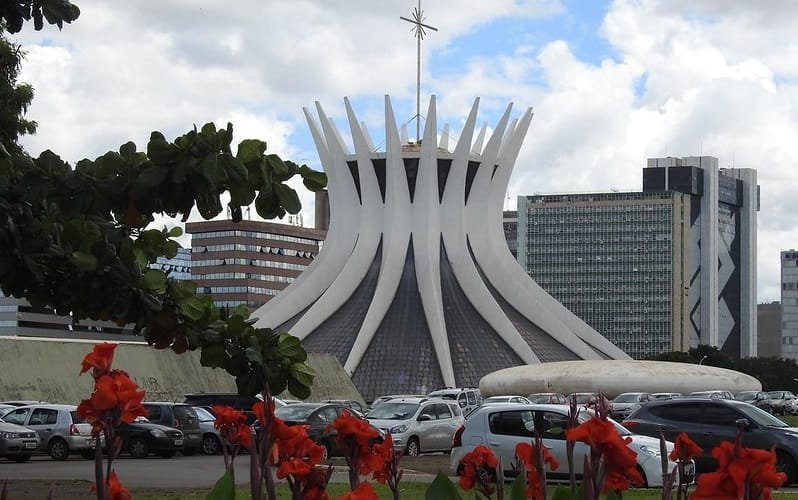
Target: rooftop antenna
418, 29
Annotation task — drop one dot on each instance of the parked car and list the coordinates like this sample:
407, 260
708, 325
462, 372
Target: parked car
760, 399
503, 426
419, 425
179, 416
709, 421
231, 399
623, 404
17, 443
4, 408
783, 402
316, 417
589, 399
211, 439
61, 431
378, 401
142, 438
505, 399
466, 398
554, 398
714, 394
666, 395
349, 403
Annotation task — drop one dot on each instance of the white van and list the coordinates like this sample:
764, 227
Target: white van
467, 398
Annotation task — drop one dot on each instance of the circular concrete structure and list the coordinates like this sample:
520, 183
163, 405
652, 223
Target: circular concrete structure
613, 377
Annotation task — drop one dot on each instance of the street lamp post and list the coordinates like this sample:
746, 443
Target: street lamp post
702, 359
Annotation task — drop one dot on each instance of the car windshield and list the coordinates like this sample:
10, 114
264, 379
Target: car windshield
539, 398
394, 411
497, 399
295, 413
582, 399
761, 417
745, 396
204, 415
626, 398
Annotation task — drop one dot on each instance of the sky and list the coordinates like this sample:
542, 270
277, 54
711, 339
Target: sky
612, 83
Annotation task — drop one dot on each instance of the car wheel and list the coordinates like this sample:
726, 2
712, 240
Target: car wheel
326, 452
21, 458
58, 449
166, 454
413, 448
786, 464
211, 444
187, 452
139, 448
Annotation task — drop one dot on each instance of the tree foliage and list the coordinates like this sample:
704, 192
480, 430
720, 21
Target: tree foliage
77, 239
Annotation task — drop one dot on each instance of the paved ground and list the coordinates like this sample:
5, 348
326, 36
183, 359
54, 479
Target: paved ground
72, 478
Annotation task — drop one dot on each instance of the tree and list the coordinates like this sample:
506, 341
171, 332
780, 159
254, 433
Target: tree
77, 239
14, 98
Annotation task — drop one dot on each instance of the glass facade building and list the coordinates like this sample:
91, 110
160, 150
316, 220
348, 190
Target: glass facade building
789, 304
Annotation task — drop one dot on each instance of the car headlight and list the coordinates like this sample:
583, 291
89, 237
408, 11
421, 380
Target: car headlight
158, 433
398, 429
9, 435
652, 452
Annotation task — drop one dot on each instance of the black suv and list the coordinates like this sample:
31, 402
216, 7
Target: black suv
710, 421
180, 416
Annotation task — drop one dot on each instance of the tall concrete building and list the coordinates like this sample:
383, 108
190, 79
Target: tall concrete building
789, 304
249, 262
664, 269
768, 330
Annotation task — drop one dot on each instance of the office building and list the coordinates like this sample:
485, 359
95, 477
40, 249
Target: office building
668, 268
768, 330
249, 262
789, 304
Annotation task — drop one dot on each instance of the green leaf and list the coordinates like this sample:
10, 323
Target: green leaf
302, 373
250, 150
267, 206
127, 150
214, 356
224, 489
154, 280
288, 198
299, 390
150, 176
85, 261
193, 307
561, 492
442, 488
175, 232
518, 488
290, 347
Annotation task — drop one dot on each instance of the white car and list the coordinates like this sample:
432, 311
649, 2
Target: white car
505, 399
502, 426
418, 425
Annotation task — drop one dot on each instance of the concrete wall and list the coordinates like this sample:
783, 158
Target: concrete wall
47, 370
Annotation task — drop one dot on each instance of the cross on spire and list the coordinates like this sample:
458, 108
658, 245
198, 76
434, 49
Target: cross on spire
419, 33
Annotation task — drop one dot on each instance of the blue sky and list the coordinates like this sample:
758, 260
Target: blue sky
612, 83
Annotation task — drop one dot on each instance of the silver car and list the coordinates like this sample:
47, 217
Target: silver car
211, 439
61, 431
624, 404
418, 425
17, 443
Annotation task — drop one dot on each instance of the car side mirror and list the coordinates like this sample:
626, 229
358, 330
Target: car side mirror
424, 418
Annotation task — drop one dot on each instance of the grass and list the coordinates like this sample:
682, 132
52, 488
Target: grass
409, 491
791, 420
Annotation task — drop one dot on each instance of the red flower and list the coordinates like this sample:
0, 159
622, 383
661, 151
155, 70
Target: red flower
99, 359
740, 469
352, 431
479, 459
380, 458
232, 425
364, 491
296, 454
114, 396
115, 490
684, 449
606, 444
527, 454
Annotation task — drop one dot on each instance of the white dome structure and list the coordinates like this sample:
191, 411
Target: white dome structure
415, 287
615, 377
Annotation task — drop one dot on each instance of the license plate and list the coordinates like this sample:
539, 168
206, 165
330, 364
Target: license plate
30, 445
178, 442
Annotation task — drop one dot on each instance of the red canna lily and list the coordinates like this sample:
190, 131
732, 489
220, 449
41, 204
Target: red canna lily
115, 397
481, 458
232, 425
99, 359
526, 454
353, 433
114, 489
364, 491
684, 449
740, 469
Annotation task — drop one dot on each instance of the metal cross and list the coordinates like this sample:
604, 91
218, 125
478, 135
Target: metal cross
418, 29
